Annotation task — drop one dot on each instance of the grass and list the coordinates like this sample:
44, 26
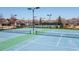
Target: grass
14, 41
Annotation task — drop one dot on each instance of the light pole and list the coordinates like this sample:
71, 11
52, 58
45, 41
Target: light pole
33, 11
49, 15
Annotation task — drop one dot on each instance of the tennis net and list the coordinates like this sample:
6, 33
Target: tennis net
21, 31
68, 35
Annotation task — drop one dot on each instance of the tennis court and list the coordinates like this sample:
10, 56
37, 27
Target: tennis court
12, 37
42, 40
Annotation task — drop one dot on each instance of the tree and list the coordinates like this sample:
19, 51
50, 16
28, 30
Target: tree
60, 22
13, 19
40, 21
1, 18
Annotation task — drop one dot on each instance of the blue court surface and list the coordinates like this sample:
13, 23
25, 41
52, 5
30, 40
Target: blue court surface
50, 40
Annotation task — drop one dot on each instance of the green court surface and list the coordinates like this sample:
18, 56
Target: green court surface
14, 41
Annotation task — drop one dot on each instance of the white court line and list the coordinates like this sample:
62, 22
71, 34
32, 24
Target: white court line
59, 40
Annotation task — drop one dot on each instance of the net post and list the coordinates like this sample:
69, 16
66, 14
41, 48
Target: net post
36, 32
30, 31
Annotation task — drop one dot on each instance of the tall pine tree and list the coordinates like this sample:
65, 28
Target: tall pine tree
60, 22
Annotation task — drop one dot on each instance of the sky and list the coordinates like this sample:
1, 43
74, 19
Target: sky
24, 13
